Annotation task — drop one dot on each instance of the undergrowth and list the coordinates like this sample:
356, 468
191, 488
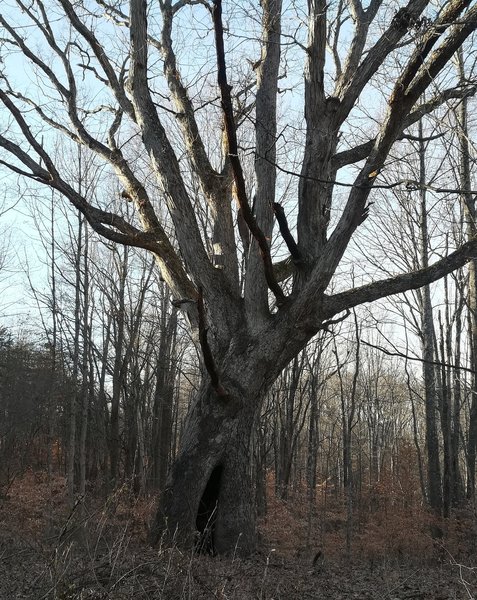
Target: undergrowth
97, 549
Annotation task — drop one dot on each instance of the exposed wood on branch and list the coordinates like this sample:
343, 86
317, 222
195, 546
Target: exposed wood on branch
327, 324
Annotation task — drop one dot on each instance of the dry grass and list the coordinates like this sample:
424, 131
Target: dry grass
98, 551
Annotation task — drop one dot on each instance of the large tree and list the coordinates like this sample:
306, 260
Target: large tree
168, 81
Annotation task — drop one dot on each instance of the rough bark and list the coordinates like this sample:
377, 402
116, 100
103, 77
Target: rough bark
217, 434
215, 448
256, 291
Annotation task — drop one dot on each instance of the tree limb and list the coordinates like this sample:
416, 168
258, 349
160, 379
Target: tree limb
417, 359
361, 152
215, 186
209, 362
231, 133
400, 283
351, 89
103, 222
163, 158
285, 231
400, 104
267, 71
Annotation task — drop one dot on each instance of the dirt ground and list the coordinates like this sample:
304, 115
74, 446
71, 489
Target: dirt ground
48, 551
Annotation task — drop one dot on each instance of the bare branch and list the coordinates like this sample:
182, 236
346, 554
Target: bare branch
209, 362
361, 152
332, 322
163, 158
400, 283
256, 291
285, 231
28, 136
100, 54
400, 104
215, 186
362, 20
417, 359
351, 88
227, 108
34, 58
153, 239
209, 178
314, 201
441, 56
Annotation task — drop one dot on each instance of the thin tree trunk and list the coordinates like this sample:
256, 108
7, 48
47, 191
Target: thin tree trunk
458, 490
118, 368
447, 480
85, 334
260, 464
428, 337
416, 438
163, 399
468, 204
72, 455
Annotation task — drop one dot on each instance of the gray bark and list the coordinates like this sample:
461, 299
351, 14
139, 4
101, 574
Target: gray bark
85, 362
456, 436
427, 339
256, 291
446, 411
118, 309
163, 400
468, 207
217, 433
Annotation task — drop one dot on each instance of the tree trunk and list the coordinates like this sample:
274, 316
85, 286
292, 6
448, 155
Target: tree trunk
458, 491
163, 401
86, 343
446, 411
221, 423
288, 430
427, 337
415, 432
119, 371
468, 206
260, 466
209, 487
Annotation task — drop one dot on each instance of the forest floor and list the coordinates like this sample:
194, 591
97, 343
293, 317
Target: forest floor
99, 551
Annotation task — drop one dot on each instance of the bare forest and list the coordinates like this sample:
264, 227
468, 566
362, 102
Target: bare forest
238, 306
